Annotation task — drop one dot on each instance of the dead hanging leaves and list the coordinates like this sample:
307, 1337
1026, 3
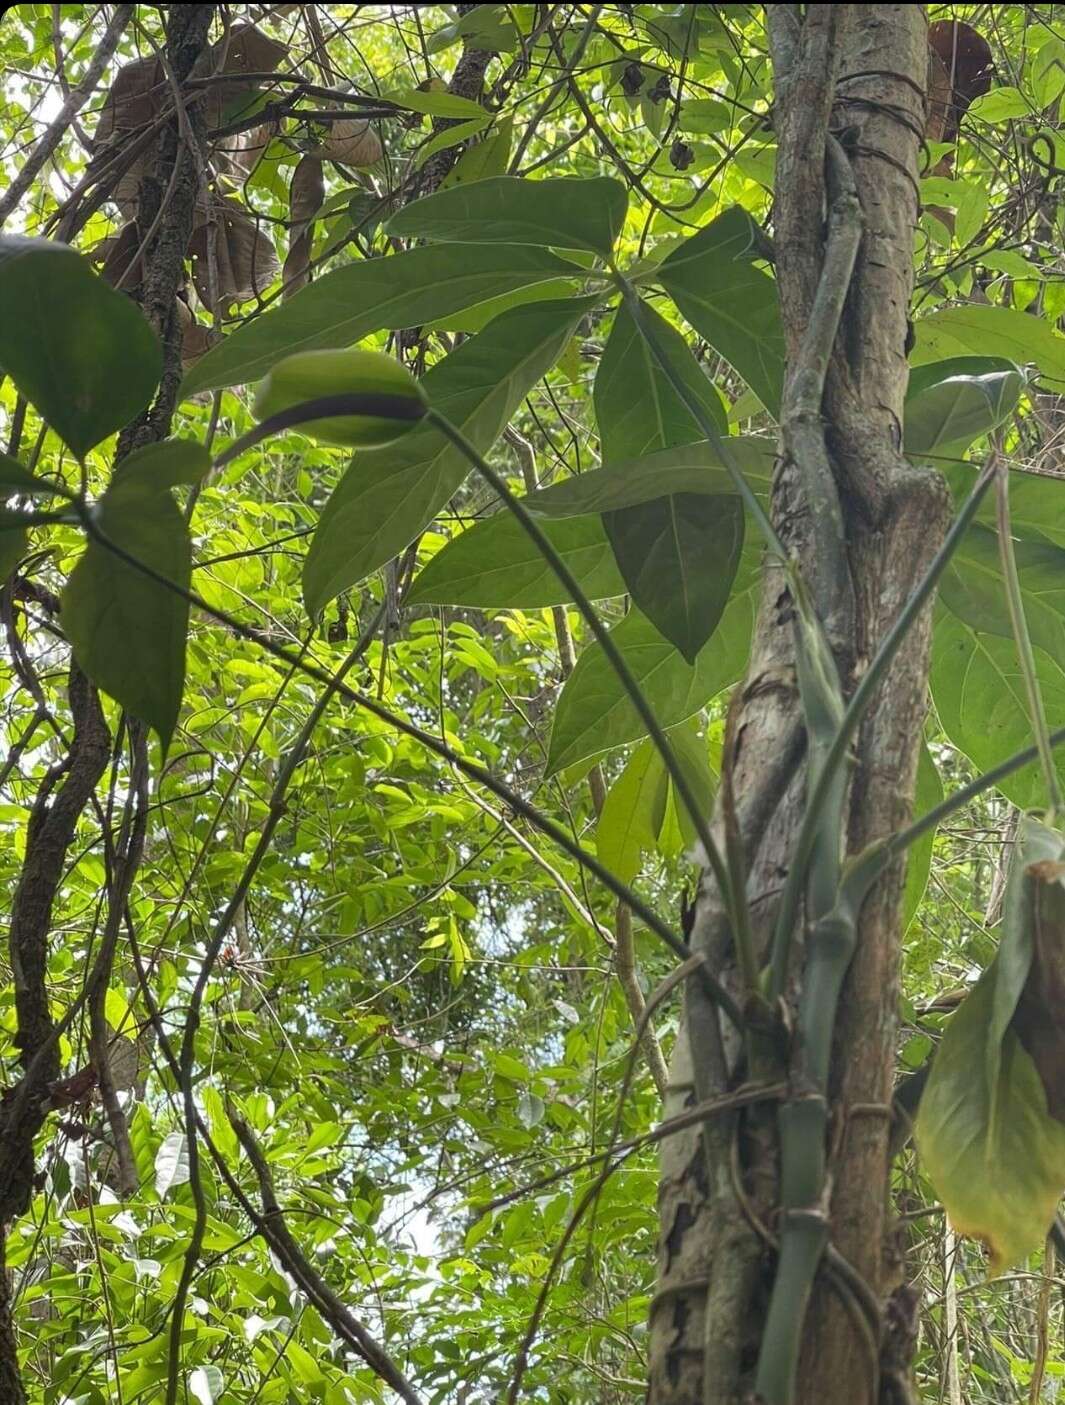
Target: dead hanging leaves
991, 1126
232, 253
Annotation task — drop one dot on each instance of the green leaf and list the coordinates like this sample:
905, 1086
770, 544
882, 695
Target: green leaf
389, 495
569, 213
450, 136
729, 302
928, 794
171, 1164
484, 159
494, 565
127, 631
679, 557
980, 698
206, 1384
1000, 1179
531, 1109
636, 408
978, 329
677, 554
1001, 104
402, 290
990, 1127
437, 104
944, 418
693, 468
166, 465
633, 813
13, 542
81, 353
594, 714
16, 479
973, 589
690, 751
1036, 502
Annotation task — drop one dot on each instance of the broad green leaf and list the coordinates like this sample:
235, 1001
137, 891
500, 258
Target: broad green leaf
437, 104
944, 418
692, 756
531, 1109
166, 465
484, 159
171, 1164
693, 468
928, 794
1036, 502
495, 565
475, 319
679, 557
570, 213
637, 410
972, 587
128, 631
16, 479
389, 495
1000, 104
633, 813
450, 136
402, 290
678, 553
730, 302
13, 542
979, 329
980, 698
999, 1178
81, 353
594, 713
991, 1126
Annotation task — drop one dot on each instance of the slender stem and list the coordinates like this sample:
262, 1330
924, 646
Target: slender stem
407, 409
901, 840
1023, 639
603, 638
860, 700
470, 768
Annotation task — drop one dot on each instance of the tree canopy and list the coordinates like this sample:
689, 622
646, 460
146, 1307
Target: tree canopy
364, 713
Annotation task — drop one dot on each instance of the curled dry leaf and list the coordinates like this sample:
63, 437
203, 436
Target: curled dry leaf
966, 59
306, 193
352, 141
246, 261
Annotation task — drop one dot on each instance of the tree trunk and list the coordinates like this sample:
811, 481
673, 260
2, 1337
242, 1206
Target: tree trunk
860, 72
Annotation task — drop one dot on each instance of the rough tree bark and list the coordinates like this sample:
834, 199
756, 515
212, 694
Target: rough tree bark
860, 72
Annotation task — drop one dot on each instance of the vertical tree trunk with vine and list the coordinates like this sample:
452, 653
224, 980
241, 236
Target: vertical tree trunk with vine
849, 115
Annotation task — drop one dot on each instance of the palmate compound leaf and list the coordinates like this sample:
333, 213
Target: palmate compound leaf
991, 1124
81, 353
387, 496
127, 631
